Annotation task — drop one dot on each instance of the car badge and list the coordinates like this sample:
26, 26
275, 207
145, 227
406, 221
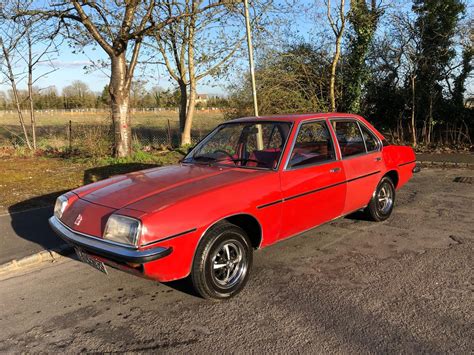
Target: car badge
78, 220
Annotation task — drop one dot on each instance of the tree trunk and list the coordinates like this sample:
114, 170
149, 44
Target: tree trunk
400, 127
339, 33
430, 121
30, 92
120, 95
413, 108
332, 84
183, 107
186, 135
32, 109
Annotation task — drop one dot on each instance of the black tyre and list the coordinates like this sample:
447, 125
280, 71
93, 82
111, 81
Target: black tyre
222, 262
383, 200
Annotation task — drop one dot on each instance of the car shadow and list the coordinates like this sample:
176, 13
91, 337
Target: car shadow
29, 230
183, 285
358, 216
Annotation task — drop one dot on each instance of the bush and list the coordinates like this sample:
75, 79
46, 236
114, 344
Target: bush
92, 140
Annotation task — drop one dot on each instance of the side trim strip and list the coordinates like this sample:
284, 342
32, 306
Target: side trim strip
410, 162
364, 176
270, 204
316, 190
170, 237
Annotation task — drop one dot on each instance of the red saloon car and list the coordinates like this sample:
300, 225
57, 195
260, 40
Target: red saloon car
249, 184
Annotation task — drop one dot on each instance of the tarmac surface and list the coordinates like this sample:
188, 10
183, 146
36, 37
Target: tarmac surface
404, 285
25, 233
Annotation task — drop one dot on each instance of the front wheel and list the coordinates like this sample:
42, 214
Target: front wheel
381, 205
222, 263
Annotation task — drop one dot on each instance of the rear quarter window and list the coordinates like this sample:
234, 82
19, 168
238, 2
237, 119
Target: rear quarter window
371, 141
349, 137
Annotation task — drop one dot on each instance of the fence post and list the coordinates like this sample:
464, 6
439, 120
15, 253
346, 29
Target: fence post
169, 134
70, 135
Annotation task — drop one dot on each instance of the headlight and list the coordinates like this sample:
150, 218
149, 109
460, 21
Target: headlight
60, 206
122, 229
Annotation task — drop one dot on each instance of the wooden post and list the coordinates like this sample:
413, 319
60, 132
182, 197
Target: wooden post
169, 134
70, 135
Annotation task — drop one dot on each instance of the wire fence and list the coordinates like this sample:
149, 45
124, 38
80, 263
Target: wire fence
90, 130
104, 111
78, 134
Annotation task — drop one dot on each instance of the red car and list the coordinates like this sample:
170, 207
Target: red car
249, 184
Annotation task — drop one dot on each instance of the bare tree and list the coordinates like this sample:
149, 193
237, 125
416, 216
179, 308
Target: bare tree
188, 63
41, 48
337, 27
119, 28
409, 54
33, 44
9, 43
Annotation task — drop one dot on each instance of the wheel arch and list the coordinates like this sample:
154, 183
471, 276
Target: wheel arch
394, 176
247, 222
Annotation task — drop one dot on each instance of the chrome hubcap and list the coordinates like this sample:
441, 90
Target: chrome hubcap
385, 199
228, 264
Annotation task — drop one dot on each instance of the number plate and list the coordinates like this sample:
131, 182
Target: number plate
99, 265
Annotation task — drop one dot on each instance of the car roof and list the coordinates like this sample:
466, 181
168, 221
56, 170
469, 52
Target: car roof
295, 117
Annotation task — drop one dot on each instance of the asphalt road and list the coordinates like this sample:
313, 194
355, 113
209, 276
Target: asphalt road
25, 233
404, 285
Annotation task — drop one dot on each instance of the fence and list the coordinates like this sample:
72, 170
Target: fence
84, 129
96, 139
54, 112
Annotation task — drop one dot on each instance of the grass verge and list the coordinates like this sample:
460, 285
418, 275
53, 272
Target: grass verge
30, 182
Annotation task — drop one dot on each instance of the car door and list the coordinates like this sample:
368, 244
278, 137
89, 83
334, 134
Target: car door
361, 158
312, 180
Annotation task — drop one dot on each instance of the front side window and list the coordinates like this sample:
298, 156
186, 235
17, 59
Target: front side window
313, 145
349, 138
243, 144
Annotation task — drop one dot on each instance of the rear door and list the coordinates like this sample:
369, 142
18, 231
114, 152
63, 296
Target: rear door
361, 159
312, 181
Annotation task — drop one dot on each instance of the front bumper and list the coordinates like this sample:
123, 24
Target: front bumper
107, 249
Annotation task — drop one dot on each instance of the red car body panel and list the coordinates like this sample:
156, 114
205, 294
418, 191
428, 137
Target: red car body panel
178, 204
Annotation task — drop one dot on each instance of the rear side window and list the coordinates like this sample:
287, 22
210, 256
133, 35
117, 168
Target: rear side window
313, 145
369, 138
349, 138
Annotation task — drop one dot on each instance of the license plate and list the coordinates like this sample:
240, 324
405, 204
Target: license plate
99, 265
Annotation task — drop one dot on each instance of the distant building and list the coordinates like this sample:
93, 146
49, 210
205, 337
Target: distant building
469, 103
202, 99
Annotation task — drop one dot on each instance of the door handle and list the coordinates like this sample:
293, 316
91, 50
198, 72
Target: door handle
378, 159
335, 170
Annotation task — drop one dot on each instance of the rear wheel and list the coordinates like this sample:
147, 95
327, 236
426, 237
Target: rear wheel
222, 263
383, 200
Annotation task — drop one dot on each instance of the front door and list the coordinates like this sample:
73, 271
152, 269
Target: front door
312, 181
361, 159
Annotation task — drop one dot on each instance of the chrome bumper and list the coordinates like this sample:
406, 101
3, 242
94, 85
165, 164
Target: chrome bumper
106, 249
